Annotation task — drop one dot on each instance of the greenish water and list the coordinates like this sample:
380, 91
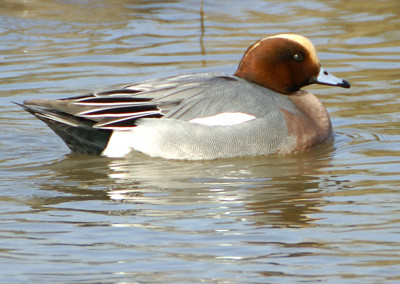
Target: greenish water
329, 215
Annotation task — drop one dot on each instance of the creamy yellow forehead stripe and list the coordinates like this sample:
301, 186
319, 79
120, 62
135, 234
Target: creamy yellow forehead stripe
301, 40
296, 38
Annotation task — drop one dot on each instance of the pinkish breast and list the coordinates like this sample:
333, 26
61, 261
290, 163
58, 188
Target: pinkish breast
311, 125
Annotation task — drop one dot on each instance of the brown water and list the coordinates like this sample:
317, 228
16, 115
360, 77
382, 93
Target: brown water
330, 215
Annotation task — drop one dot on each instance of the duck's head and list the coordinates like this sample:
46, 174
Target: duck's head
285, 63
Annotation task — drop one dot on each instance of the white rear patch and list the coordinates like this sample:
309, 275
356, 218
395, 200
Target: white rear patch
119, 144
140, 138
224, 119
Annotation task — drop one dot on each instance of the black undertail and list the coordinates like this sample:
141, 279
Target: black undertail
78, 133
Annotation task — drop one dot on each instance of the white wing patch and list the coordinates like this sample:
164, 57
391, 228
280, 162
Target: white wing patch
224, 119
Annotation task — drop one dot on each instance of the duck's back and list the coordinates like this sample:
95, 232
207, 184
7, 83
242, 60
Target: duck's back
211, 116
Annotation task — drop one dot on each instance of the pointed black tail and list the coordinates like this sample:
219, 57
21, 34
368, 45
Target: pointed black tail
78, 133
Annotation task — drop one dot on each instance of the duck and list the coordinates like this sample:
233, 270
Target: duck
259, 110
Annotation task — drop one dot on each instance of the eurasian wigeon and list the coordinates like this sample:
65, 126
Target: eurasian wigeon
260, 110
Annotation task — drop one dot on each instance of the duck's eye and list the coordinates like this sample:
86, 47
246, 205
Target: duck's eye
298, 57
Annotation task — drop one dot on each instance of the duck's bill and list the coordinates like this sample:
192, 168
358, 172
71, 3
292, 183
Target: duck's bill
326, 78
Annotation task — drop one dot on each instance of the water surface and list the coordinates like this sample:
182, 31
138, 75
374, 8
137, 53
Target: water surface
329, 215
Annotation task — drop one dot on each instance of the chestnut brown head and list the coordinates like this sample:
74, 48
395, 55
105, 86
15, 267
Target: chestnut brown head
285, 63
